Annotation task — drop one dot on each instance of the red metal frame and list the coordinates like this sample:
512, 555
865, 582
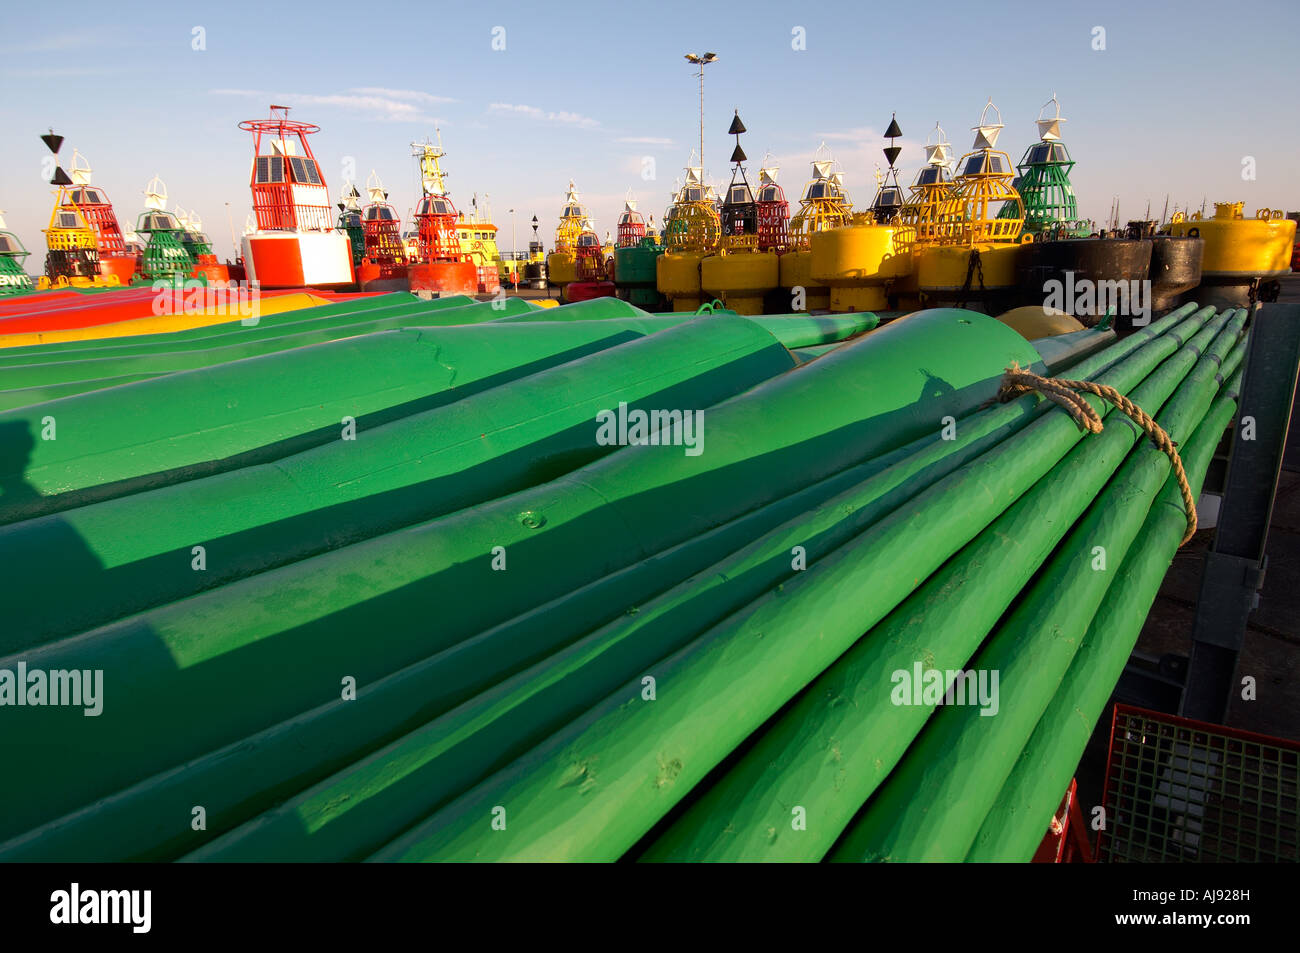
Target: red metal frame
280, 206
101, 218
384, 246
1066, 840
1192, 724
773, 221
630, 230
589, 258
436, 235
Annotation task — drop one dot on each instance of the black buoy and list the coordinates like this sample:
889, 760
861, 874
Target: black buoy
1081, 276
1175, 268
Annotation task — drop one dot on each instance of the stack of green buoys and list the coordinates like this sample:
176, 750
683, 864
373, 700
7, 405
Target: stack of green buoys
393, 579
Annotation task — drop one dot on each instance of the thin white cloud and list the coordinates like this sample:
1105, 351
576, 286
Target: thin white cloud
534, 112
646, 140
860, 134
49, 72
414, 95
370, 105
55, 42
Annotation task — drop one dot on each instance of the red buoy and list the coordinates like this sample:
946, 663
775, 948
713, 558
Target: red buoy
295, 244
440, 265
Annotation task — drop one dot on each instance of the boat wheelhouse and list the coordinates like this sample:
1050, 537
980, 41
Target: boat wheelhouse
478, 241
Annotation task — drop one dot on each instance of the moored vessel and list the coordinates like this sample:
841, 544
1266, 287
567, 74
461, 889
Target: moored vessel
478, 240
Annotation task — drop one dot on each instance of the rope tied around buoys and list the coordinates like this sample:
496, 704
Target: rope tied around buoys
1068, 394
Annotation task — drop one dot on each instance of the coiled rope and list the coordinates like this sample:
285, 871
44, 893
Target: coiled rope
1068, 395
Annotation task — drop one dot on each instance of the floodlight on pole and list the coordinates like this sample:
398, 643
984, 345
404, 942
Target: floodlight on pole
701, 60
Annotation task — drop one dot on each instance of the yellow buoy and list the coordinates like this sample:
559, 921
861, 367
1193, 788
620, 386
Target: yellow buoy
677, 275
824, 206
690, 234
972, 248
1239, 247
857, 262
1035, 321
562, 263
741, 280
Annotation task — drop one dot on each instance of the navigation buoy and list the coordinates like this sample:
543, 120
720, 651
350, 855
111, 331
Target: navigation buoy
440, 266
823, 206
691, 232
383, 266
860, 262
295, 244
14, 279
743, 273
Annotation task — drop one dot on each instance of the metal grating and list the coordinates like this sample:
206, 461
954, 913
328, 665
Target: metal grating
1183, 791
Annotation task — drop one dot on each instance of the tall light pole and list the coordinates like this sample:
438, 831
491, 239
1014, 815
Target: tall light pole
701, 60
514, 248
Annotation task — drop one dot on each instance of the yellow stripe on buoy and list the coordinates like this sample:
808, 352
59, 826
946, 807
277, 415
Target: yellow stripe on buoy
163, 324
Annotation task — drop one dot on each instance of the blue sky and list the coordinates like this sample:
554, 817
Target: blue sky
1181, 94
